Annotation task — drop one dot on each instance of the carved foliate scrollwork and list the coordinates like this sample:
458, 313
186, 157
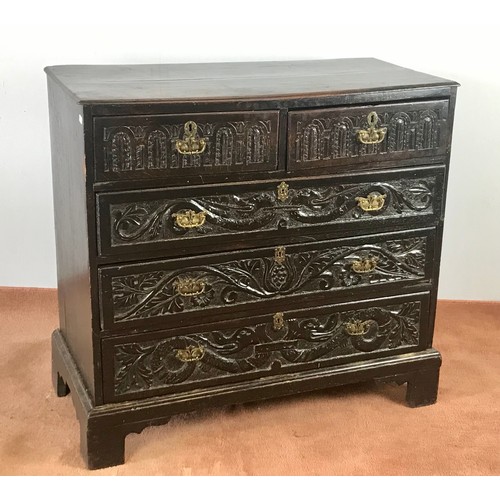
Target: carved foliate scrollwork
153, 221
141, 366
161, 293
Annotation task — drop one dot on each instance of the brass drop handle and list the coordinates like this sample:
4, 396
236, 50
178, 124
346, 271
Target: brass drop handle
364, 265
278, 321
357, 328
190, 354
188, 287
372, 135
188, 219
373, 202
190, 144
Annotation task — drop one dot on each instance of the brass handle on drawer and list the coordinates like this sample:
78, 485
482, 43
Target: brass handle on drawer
372, 135
357, 328
364, 265
188, 219
188, 287
278, 321
373, 202
190, 354
190, 144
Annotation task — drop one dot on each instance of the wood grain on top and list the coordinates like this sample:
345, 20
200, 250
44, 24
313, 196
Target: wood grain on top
152, 82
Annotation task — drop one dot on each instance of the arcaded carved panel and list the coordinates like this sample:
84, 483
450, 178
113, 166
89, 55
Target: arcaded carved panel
332, 135
142, 366
145, 147
152, 220
138, 296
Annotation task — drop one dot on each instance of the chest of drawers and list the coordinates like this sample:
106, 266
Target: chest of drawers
234, 232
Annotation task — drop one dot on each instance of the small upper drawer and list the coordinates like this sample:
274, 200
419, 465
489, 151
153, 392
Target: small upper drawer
359, 134
144, 147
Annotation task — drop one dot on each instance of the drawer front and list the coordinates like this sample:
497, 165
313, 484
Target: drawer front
149, 296
181, 221
264, 346
173, 146
359, 134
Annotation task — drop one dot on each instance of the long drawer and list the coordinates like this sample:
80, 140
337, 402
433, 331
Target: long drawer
201, 219
162, 294
180, 146
296, 340
330, 137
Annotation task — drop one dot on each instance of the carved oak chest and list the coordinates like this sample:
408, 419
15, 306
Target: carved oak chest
233, 232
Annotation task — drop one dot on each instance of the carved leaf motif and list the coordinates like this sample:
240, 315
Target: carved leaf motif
136, 220
128, 290
133, 368
415, 260
420, 196
133, 215
203, 299
163, 303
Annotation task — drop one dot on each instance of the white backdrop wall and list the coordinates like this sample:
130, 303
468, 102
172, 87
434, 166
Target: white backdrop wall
456, 44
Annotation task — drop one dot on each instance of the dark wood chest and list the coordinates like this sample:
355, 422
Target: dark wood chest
234, 232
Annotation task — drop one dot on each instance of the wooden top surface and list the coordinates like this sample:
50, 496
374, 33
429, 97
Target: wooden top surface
202, 81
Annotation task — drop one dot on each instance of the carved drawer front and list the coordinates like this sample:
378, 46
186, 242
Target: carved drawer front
200, 219
361, 134
161, 294
170, 146
261, 346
